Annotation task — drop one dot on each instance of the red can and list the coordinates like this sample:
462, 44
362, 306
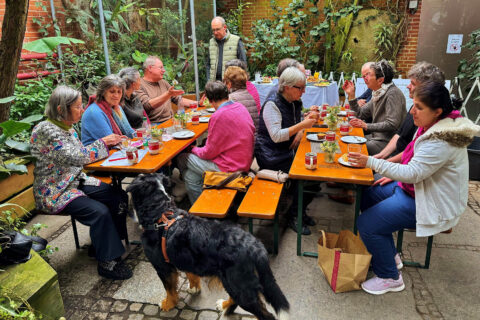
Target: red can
193, 106
330, 136
323, 114
132, 155
325, 106
154, 146
141, 132
344, 128
311, 160
195, 118
347, 107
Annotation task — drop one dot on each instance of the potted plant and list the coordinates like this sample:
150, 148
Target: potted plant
329, 148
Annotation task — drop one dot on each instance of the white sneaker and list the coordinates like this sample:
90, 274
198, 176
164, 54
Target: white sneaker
379, 286
398, 261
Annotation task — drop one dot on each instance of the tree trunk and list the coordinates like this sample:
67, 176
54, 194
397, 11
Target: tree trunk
13, 32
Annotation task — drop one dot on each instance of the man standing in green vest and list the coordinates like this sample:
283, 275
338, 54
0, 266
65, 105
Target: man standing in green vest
223, 47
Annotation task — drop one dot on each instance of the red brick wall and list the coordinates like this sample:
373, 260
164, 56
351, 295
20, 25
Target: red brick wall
407, 55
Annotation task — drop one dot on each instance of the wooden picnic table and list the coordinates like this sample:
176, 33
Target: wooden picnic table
152, 163
333, 172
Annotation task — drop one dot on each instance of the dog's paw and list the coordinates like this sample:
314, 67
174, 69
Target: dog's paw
194, 290
167, 304
220, 303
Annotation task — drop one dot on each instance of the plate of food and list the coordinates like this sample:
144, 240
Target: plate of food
353, 139
211, 110
184, 134
344, 160
322, 84
316, 137
204, 119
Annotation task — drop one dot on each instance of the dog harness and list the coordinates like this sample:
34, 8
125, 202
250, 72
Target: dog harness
166, 223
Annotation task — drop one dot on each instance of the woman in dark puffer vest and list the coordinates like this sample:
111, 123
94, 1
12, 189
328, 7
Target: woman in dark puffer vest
235, 78
280, 130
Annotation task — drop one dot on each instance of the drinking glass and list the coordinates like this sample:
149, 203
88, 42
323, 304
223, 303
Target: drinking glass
353, 147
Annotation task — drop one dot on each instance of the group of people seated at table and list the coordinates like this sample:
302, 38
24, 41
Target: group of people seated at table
421, 155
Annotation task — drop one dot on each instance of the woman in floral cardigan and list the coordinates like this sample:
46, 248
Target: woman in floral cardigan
60, 184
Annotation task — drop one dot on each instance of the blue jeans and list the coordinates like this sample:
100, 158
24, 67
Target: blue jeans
192, 168
385, 209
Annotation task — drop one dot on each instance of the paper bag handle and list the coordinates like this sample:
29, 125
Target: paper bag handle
324, 238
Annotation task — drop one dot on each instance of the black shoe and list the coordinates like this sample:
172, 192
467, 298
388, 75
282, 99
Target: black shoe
114, 270
293, 224
308, 221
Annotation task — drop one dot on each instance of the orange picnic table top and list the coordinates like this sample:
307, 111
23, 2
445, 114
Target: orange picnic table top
152, 163
334, 172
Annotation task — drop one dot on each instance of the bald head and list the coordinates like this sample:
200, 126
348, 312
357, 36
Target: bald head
219, 28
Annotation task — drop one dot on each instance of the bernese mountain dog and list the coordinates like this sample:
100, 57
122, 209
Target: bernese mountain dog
203, 248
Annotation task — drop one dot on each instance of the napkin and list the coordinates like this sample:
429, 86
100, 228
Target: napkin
123, 162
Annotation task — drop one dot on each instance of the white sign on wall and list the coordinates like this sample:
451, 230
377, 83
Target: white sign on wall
454, 44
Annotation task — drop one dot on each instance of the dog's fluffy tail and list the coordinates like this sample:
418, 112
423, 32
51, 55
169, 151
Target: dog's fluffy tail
271, 291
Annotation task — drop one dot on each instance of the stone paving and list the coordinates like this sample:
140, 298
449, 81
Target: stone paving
448, 290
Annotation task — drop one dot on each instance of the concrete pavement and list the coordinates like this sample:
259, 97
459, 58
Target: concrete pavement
448, 290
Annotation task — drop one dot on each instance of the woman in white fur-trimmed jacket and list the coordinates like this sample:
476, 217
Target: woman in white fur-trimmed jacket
428, 190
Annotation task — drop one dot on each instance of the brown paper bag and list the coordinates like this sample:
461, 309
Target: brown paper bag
343, 259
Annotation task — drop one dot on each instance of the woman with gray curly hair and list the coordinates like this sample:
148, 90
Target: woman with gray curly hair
105, 116
61, 186
132, 106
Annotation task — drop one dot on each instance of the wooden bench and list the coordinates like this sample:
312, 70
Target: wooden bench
213, 203
261, 202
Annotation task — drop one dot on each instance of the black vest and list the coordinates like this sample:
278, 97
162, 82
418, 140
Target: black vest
271, 155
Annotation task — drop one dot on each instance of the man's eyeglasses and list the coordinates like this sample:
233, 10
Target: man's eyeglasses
299, 88
216, 29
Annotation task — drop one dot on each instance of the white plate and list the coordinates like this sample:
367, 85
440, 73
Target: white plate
342, 114
211, 110
204, 119
185, 134
345, 163
353, 139
314, 138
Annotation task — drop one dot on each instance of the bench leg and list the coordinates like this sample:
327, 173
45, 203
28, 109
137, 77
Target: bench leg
275, 234
399, 240
358, 200
415, 264
250, 225
75, 233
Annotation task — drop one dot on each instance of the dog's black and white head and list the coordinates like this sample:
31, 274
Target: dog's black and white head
149, 195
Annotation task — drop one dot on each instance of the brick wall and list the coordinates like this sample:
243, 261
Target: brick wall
408, 51
407, 55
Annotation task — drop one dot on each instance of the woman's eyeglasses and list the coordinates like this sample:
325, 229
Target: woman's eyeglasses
299, 88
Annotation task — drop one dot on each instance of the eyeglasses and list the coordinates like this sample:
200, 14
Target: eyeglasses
216, 29
161, 68
78, 107
299, 88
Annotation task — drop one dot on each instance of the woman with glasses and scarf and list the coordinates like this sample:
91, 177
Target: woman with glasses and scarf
386, 108
280, 130
103, 114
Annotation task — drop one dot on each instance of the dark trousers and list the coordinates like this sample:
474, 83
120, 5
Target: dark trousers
100, 210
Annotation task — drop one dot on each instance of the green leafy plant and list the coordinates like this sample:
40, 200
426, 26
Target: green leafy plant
469, 68
49, 44
31, 96
12, 307
383, 35
329, 146
10, 160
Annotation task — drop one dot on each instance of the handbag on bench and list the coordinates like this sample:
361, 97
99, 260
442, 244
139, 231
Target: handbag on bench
237, 180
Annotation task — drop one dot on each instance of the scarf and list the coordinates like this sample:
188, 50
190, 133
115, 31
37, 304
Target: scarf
409, 152
108, 111
376, 94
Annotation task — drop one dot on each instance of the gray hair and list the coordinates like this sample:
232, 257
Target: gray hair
220, 19
64, 97
285, 63
129, 76
367, 65
383, 69
238, 63
290, 77
424, 71
150, 61
216, 91
106, 83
